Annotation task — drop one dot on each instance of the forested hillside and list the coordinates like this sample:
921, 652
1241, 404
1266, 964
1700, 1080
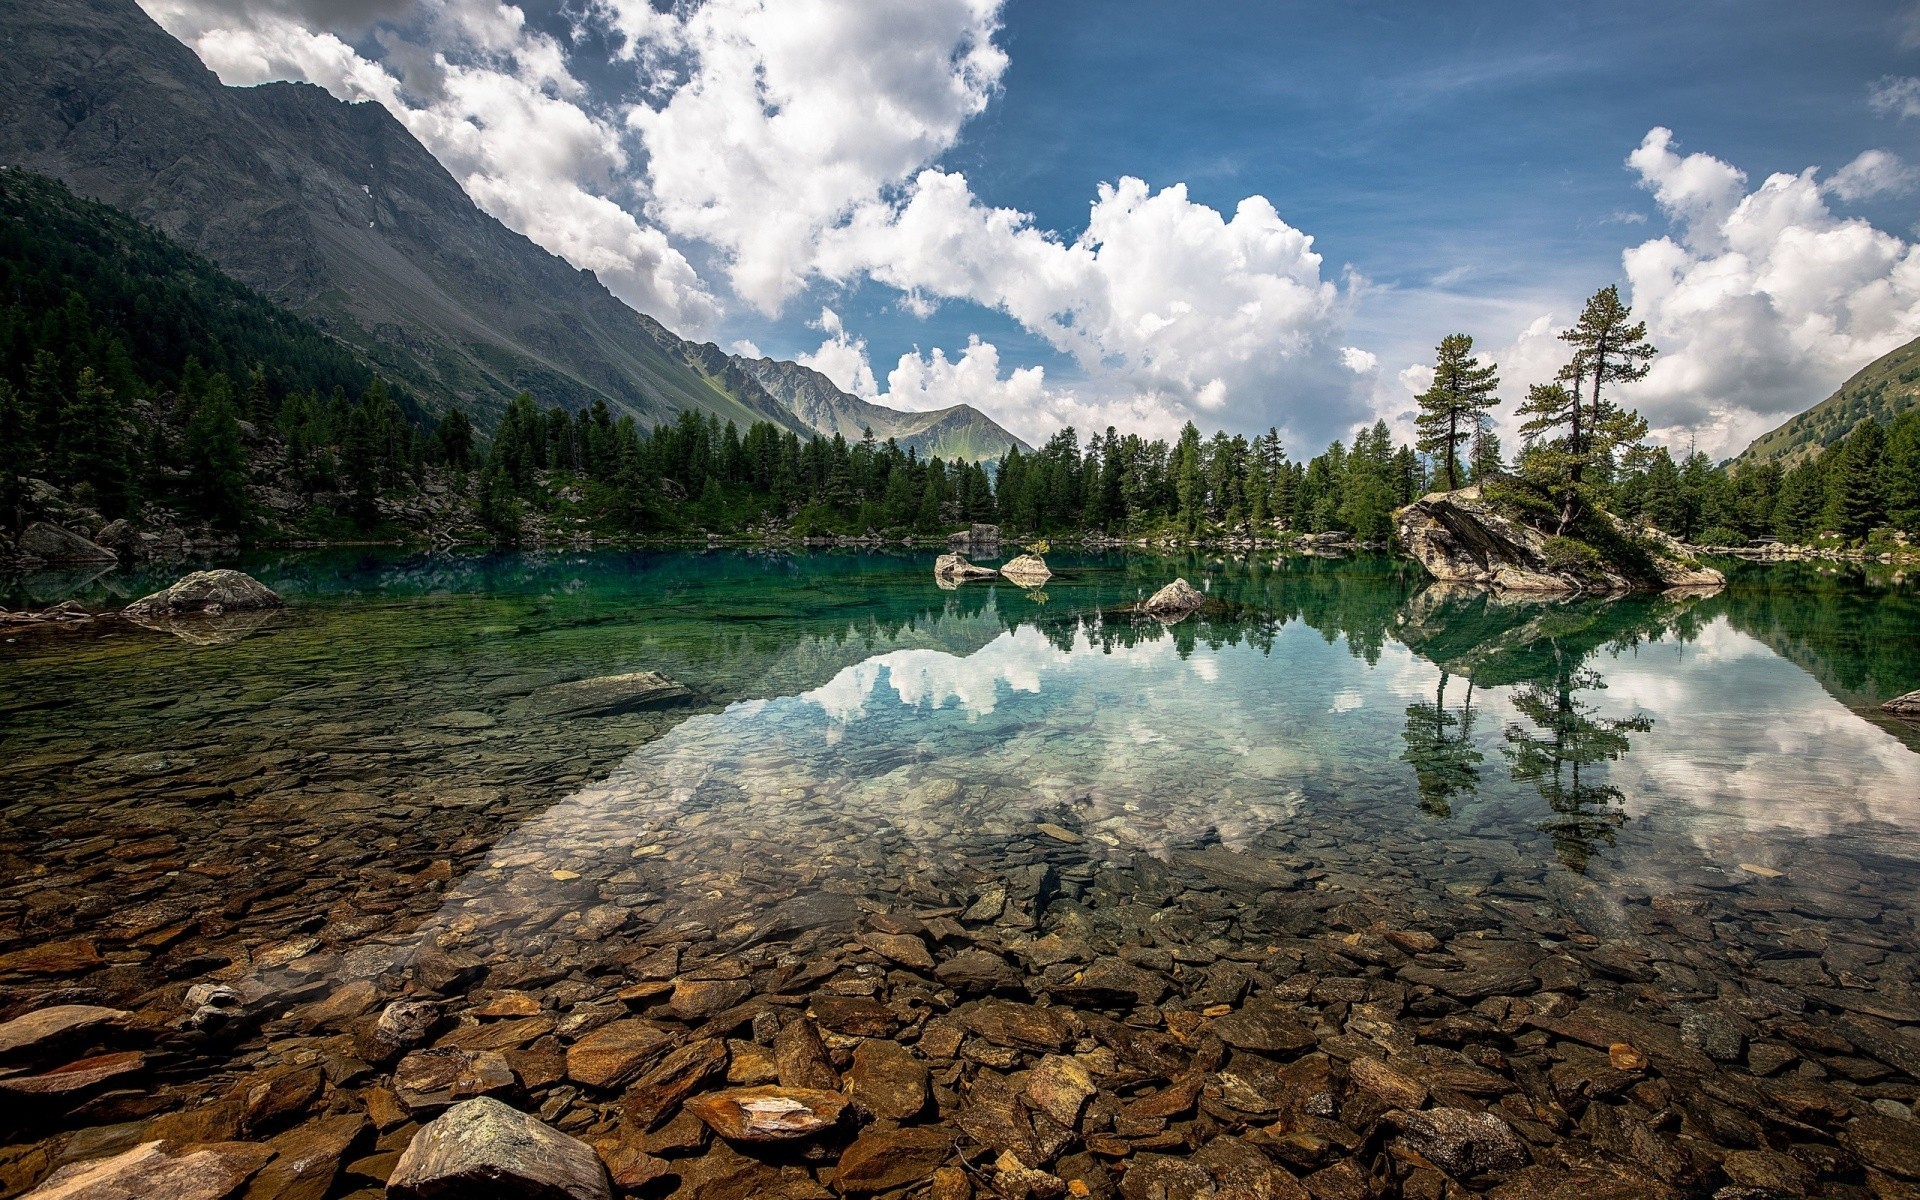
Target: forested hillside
1880, 391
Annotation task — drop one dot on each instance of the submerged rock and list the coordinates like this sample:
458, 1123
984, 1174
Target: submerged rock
607, 695
208, 592
1028, 571
1174, 601
1460, 537
486, 1148
954, 568
207, 1172
768, 1114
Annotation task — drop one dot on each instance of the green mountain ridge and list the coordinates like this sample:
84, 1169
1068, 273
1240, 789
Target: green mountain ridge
960, 431
1881, 391
336, 212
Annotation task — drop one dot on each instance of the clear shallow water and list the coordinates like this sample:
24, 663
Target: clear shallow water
378, 775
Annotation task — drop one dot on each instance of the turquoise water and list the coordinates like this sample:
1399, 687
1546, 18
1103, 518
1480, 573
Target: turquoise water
1624, 730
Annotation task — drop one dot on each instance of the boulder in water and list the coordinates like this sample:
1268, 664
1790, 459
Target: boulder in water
52, 544
1460, 537
208, 592
1174, 601
954, 568
1028, 571
1903, 706
608, 695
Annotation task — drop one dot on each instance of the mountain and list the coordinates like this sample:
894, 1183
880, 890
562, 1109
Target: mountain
961, 431
335, 211
1882, 390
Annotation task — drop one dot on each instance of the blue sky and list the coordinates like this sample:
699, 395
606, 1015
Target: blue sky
1458, 167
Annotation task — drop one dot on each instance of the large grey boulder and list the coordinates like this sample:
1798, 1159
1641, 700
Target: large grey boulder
52, 544
485, 1148
1174, 601
1028, 571
954, 568
1459, 537
209, 592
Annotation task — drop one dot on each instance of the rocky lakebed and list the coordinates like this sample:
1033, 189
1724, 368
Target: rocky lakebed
398, 897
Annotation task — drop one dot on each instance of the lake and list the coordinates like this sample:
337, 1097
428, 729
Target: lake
1634, 876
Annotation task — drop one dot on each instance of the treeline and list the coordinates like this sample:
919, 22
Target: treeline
134, 374
1865, 482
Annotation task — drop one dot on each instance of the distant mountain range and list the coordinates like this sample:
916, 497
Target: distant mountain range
1881, 391
335, 211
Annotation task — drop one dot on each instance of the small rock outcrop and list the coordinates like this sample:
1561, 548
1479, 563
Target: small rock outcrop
976, 535
1174, 601
483, 1147
1459, 537
954, 568
1028, 571
206, 592
51, 544
1903, 706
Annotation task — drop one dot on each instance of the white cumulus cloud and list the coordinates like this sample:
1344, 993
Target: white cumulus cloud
493, 101
1895, 96
1763, 301
1873, 173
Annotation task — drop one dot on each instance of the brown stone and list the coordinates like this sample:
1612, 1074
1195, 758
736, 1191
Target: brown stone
485, 1148
1888, 1143
679, 1075
613, 1054
205, 1172
888, 1080
1264, 1027
802, 1057
1395, 1087
307, 1159
768, 1114
55, 1024
1060, 1087
1023, 1026
431, 1079
908, 951
73, 957
698, 999
881, 1160
80, 1076
855, 1016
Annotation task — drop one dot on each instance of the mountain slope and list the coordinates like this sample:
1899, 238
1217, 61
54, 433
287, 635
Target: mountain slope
961, 431
338, 213
1882, 390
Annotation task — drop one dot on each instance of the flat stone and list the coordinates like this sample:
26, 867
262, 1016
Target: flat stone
444, 1075
613, 1054
1163, 1177
888, 1080
206, 1172
1463, 1143
607, 695
1888, 1143
75, 956
768, 1114
801, 1058
25, 1035
698, 999
1395, 1087
881, 1160
976, 970
679, 1075
78, 1076
1023, 1026
855, 1016
307, 1159
1265, 1027
1060, 1087
485, 1148
401, 1026
1472, 984
908, 951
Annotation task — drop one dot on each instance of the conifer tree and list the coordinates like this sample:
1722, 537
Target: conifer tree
216, 461
1853, 482
1453, 406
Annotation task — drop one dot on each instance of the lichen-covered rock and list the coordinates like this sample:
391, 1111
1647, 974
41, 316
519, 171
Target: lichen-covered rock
1028, 571
1459, 537
1174, 601
954, 568
209, 592
1903, 706
205, 1172
484, 1147
52, 544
